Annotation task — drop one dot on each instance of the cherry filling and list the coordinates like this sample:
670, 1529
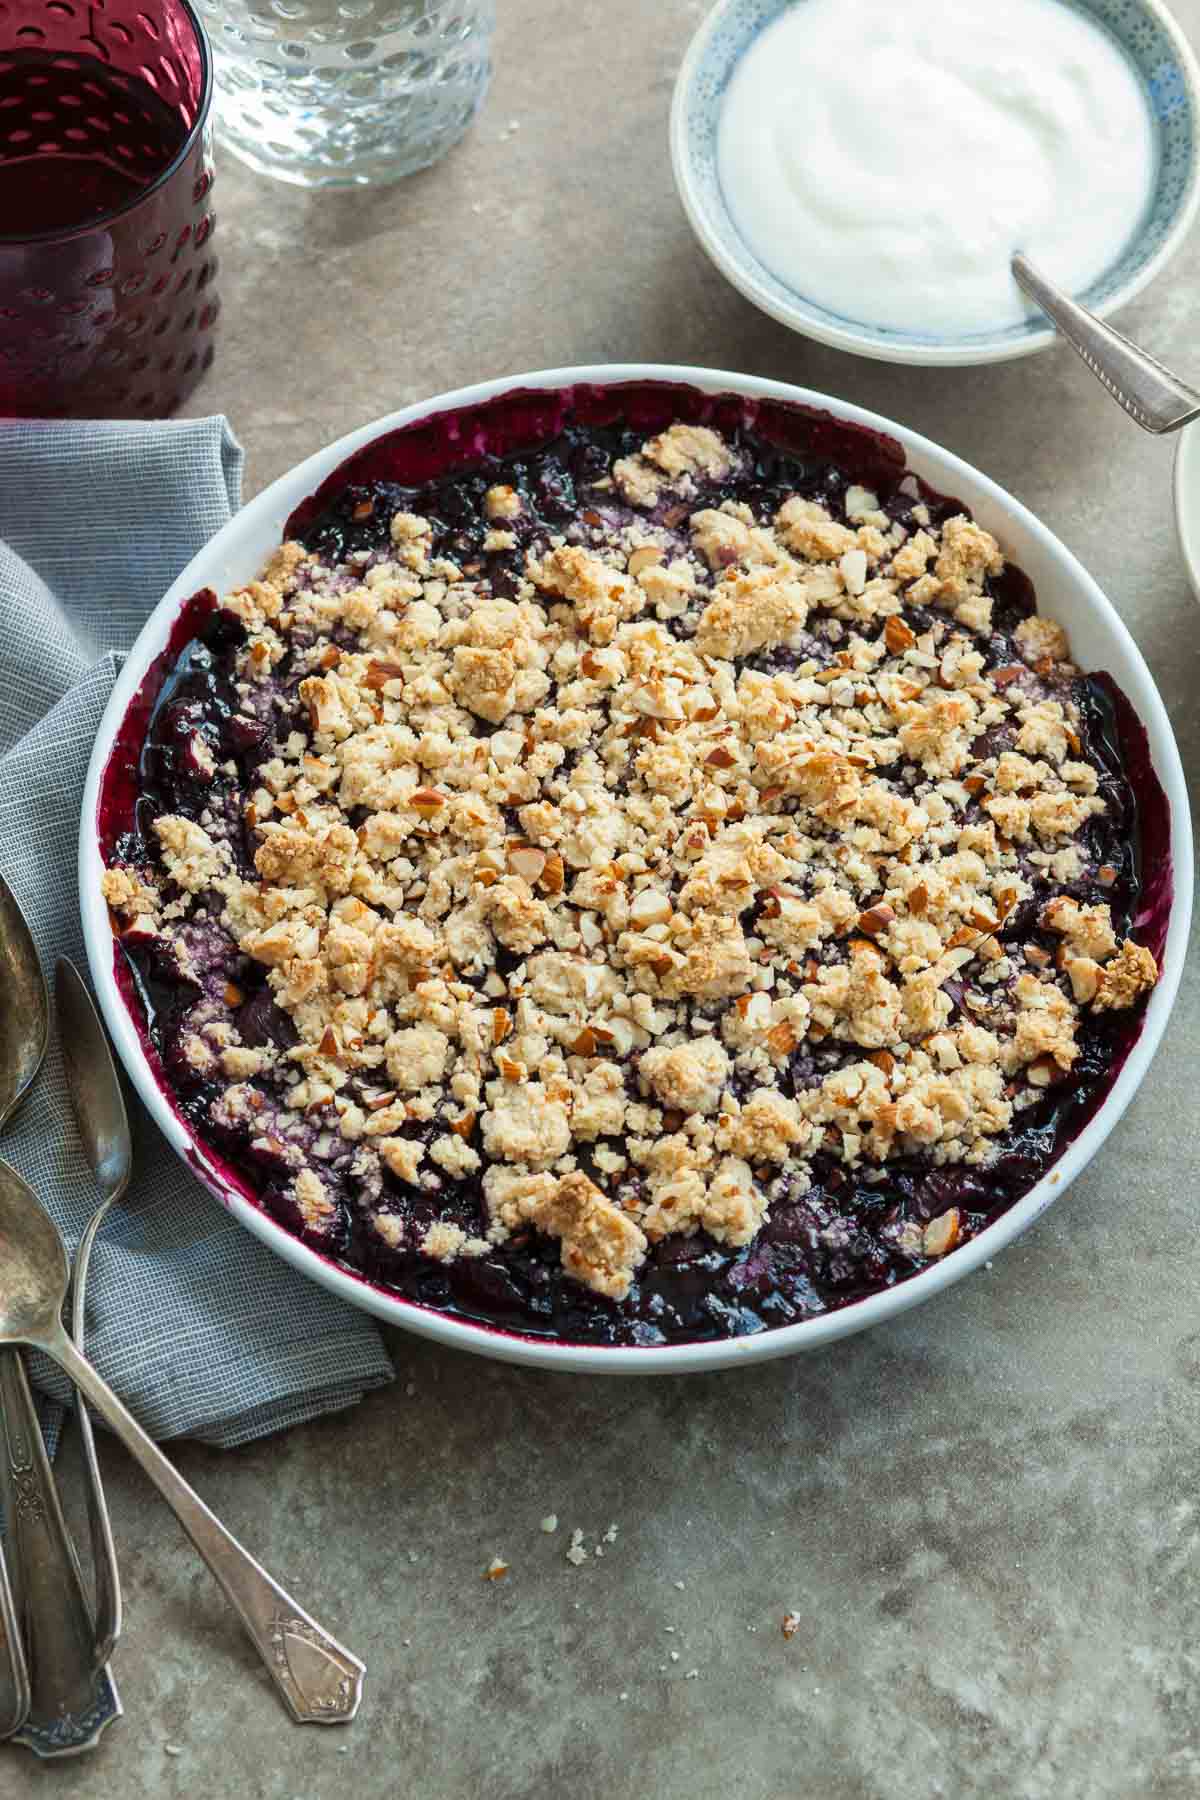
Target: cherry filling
831, 1238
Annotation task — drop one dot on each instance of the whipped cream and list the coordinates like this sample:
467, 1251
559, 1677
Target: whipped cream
885, 158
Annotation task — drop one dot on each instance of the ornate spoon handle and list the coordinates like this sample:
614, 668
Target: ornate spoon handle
71, 1699
321, 1683
1150, 394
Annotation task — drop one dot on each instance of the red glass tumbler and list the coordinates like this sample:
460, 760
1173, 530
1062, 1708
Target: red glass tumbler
107, 302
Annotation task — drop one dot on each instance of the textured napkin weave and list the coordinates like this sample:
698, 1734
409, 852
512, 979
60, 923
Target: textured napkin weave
201, 1329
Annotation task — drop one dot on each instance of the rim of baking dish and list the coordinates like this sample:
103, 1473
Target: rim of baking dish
238, 551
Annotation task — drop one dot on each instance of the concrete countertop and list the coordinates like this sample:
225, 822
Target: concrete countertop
986, 1513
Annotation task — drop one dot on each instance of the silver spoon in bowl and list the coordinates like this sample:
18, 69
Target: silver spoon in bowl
1157, 400
320, 1682
70, 1697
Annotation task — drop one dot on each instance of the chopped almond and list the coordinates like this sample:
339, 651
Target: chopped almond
897, 635
941, 1234
380, 673
527, 861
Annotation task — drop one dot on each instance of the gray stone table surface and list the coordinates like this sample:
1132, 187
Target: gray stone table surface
986, 1513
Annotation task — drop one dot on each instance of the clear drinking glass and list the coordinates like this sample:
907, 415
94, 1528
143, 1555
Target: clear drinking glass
328, 93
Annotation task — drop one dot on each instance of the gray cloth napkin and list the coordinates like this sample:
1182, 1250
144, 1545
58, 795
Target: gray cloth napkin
201, 1329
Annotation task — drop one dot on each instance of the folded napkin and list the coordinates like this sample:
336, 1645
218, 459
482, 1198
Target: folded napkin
198, 1326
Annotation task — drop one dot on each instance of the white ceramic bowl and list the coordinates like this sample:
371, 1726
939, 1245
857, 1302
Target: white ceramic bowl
1187, 501
1167, 69
1065, 591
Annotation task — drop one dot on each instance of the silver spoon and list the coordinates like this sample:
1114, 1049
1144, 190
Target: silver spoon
320, 1682
1150, 394
99, 1107
71, 1700
22, 995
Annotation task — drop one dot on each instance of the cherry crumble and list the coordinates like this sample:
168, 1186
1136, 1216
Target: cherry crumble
646, 888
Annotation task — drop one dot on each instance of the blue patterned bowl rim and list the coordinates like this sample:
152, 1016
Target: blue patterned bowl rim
1168, 71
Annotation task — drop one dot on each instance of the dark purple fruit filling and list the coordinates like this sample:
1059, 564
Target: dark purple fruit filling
830, 1239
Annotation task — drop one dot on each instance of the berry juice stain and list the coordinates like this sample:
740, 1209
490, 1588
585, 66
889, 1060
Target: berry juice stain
77, 141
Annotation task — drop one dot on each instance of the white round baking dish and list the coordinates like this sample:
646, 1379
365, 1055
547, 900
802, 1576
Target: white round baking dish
1065, 592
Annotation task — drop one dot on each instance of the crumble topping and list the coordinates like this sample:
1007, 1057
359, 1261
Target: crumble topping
569, 889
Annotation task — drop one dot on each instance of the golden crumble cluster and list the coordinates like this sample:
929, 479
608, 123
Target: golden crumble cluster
561, 890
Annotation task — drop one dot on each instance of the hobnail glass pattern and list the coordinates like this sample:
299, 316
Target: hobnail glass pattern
335, 92
114, 319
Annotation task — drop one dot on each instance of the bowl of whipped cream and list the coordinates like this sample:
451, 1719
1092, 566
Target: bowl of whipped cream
864, 170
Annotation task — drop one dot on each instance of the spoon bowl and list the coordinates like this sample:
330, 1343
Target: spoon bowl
93, 1084
34, 1272
24, 1006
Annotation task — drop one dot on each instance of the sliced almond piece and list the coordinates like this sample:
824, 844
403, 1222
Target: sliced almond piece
380, 673
863, 947
527, 861
941, 1234
649, 906
1041, 1073
1086, 978
853, 568
897, 635
644, 558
